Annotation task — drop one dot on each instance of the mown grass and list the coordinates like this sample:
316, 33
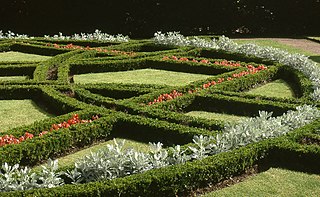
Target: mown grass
14, 113
278, 88
18, 56
274, 182
216, 116
315, 38
13, 78
70, 159
143, 76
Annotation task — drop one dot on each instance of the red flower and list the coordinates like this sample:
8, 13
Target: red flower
205, 61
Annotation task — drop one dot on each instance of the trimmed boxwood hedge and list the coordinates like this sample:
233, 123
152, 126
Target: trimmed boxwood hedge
183, 178
124, 112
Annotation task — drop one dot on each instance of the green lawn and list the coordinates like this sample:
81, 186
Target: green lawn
143, 76
14, 113
274, 182
12, 78
215, 116
70, 159
18, 56
278, 88
315, 38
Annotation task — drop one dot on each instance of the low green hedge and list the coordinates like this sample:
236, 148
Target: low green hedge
63, 72
153, 130
188, 67
16, 70
141, 46
301, 85
248, 81
8, 91
48, 70
53, 143
221, 54
36, 49
57, 102
225, 104
184, 178
107, 66
123, 91
5, 47
146, 111
84, 43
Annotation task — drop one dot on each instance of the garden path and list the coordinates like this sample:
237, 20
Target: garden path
305, 44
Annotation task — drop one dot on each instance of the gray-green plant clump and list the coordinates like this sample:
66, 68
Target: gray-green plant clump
115, 161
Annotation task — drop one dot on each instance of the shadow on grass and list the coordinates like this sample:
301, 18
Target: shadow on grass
315, 58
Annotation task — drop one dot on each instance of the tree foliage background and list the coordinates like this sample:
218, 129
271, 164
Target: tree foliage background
141, 18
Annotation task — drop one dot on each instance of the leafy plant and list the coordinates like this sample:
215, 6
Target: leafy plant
12, 178
202, 148
97, 35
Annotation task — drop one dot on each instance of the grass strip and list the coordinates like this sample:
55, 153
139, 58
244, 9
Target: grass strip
274, 182
216, 116
143, 76
18, 56
16, 113
278, 88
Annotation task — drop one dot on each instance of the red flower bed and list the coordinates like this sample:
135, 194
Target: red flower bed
204, 61
166, 97
71, 46
10, 139
174, 94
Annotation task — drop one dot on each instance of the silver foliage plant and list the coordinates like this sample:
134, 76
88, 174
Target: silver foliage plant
13, 178
296, 61
262, 127
115, 160
11, 35
97, 35
174, 38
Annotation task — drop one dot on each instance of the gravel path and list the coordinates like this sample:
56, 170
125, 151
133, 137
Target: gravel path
305, 44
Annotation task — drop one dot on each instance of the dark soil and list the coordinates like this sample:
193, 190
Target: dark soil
52, 73
310, 141
68, 93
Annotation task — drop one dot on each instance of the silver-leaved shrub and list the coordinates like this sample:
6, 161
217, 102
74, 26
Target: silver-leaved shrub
97, 35
11, 35
262, 127
13, 178
115, 161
